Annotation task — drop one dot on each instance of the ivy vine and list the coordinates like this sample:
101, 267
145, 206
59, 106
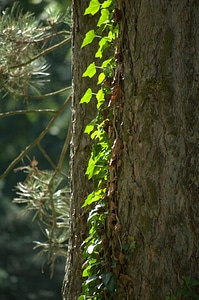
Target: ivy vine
100, 268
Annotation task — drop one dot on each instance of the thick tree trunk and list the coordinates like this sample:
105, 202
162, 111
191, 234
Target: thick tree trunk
157, 181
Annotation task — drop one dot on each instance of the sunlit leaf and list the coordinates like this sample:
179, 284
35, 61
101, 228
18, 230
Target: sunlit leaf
94, 196
93, 8
101, 78
87, 96
104, 18
90, 71
106, 62
103, 44
100, 98
91, 167
89, 127
89, 37
106, 3
82, 297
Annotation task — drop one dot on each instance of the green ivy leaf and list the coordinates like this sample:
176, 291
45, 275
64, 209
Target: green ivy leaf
103, 43
94, 196
112, 35
91, 167
91, 268
82, 297
107, 3
90, 71
87, 96
107, 62
189, 281
104, 40
89, 127
109, 281
95, 163
100, 98
89, 37
104, 17
93, 8
99, 53
86, 272
95, 213
91, 279
101, 78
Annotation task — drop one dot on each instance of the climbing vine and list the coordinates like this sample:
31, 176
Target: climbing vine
103, 259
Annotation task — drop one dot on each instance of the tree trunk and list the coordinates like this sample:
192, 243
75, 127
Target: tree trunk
158, 179
82, 114
158, 123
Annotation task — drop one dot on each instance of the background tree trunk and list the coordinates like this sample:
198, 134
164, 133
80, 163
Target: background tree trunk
157, 181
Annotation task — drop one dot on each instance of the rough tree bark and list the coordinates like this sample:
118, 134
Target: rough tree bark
157, 182
80, 148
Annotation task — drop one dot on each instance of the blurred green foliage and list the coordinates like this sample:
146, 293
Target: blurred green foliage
21, 275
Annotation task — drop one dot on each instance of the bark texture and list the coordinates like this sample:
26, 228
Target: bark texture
80, 148
158, 183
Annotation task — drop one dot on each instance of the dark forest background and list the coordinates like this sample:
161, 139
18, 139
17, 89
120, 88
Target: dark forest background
22, 274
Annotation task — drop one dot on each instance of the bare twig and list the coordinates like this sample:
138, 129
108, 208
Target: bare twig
43, 53
8, 88
63, 153
46, 156
24, 112
49, 94
50, 160
36, 141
